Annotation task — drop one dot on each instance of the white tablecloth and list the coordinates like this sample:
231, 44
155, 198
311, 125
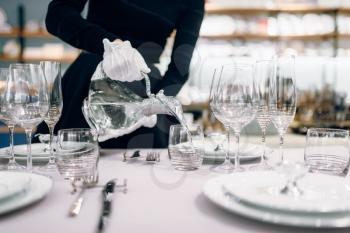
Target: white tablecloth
159, 199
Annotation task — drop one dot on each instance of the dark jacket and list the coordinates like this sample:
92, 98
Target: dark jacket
146, 24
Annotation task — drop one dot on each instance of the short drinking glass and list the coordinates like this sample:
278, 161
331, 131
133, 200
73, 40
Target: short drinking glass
77, 154
327, 151
186, 150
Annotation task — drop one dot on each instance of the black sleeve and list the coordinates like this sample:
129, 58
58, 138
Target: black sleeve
187, 32
64, 20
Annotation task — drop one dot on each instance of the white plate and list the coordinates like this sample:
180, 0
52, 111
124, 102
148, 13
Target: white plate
39, 155
321, 193
38, 188
247, 152
213, 189
38, 150
12, 184
41, 150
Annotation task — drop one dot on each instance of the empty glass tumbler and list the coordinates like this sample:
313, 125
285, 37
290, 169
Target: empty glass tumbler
186, 149
327, 151
77, 154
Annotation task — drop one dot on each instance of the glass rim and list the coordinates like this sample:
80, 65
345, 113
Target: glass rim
325, 130
27, 66
264, 60
234, 65
75, 130
48, 61
180, 126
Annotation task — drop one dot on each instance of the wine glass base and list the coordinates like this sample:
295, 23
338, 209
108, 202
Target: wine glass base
228, 167
239, 169
49, 169
261, 167
13, 166
225, 167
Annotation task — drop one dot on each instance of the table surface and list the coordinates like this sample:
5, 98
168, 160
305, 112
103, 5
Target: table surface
159, 199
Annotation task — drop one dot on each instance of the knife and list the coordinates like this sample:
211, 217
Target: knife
107, 194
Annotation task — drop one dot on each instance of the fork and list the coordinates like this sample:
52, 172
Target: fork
153, 157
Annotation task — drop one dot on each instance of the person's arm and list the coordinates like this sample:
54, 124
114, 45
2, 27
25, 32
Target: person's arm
187, 32
64, 20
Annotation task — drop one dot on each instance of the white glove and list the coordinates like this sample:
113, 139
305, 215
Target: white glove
122, 62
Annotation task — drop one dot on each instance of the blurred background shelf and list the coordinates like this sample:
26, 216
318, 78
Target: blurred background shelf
67, 59
15, 32
296, 9
252, 36
196, 107
37, 34
9, 34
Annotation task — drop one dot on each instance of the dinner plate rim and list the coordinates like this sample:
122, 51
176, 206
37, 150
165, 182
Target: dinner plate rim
212, 189
15, 190
296, 209
38, 189
215, 156
5, 151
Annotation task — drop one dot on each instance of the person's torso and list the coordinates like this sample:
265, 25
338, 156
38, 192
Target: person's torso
145, 23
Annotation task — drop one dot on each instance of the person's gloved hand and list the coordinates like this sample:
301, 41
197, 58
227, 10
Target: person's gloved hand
122, 62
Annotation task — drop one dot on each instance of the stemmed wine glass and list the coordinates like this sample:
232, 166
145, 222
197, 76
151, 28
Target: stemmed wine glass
52, 72
26, 99
5, 118
263, 73
283, 97
233, 102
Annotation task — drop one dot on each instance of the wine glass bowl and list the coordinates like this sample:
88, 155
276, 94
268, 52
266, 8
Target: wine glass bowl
233, 102
5, 118
52, 72
282, 96
263, 74
26, 99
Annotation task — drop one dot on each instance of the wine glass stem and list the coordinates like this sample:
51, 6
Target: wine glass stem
263, 138
12, 154
52, 157
281, 147
227, 157
29, 150
237, 163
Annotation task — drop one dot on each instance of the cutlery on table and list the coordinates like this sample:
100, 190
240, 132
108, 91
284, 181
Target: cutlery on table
74, 209
107, 194
136, 154
150, 157
153, 157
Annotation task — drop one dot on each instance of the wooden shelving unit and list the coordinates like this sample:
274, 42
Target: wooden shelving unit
343, 36
4, 129
38, 34
65, 59
212, 9
8, 59
250, 36
195, 107
17, 33
295, 9
12, 33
